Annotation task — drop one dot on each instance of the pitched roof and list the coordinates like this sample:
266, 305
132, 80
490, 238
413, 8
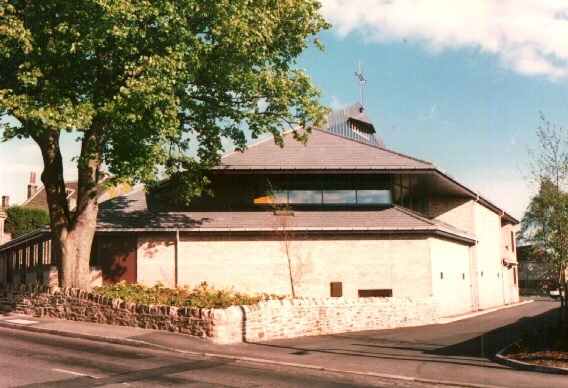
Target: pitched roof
39, 199
136, 212
323, 151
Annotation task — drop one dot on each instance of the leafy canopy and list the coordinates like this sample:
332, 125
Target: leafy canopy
147, 81
22, 220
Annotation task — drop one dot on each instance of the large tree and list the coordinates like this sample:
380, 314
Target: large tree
142, 83
545, 223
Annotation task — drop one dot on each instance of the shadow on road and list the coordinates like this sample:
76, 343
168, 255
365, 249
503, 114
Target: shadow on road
404, 346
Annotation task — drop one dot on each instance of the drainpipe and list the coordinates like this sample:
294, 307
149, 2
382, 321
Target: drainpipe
176, 259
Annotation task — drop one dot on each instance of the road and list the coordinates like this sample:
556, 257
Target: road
460, 351
43, 360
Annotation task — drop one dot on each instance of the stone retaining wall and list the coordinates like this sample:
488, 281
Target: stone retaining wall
264, 321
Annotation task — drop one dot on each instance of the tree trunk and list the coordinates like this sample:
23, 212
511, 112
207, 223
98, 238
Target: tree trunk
72, 234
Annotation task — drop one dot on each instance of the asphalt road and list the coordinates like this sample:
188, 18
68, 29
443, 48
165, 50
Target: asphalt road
43, 360
460, 351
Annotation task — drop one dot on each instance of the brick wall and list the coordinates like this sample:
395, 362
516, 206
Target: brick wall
264, 321
256, 265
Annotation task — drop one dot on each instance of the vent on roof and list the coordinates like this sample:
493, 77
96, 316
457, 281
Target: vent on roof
354, 123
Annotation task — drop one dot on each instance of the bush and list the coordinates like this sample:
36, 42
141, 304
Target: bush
22, 220
202, 296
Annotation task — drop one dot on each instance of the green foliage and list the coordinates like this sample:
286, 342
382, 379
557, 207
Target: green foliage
545, 223
150, 82
202, 296
22, 220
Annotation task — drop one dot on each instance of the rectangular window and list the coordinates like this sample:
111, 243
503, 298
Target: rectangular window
375, 293
373, 197
512, 241
514, 276
28, 258
339, 197
304, 196
36, 255
279, 196
46, 252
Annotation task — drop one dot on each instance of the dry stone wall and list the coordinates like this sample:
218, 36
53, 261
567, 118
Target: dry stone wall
264, 321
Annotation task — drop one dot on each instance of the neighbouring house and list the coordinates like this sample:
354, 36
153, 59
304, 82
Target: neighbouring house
340, 216
536, 276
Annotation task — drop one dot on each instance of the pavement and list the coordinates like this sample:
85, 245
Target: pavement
457, 353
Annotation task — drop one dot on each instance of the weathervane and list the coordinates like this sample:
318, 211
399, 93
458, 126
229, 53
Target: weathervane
362, 81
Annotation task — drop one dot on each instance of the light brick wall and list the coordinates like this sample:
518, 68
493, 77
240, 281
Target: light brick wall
457, 212
259, 265
509, 250
156, 259
489, 264
453, 291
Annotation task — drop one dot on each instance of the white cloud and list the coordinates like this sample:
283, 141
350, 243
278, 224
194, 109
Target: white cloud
529, 36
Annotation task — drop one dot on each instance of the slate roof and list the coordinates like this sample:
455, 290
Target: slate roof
136, 212
39, 199
353, 122
323, 151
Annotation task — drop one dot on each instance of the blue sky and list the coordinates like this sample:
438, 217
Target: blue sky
459, 83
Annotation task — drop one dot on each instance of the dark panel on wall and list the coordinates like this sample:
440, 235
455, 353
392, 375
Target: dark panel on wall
336, 289
375, 293
117, 257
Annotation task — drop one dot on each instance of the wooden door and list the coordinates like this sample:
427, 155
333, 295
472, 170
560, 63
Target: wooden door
117, 257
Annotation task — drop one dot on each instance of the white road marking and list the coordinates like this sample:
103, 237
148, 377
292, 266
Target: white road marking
21, 321
75, 373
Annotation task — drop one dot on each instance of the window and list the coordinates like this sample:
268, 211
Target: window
336, 289
326, 197
441, 275
35, 255
375, 293
46, 252
339, 196
304, 196
512, 241
373, 197
514, 276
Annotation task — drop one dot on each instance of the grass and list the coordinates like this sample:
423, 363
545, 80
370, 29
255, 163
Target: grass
201, 296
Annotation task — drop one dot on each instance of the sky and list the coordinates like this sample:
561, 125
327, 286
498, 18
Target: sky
459, 83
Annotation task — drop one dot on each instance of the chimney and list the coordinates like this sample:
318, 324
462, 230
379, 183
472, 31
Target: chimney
5, 202
32, 187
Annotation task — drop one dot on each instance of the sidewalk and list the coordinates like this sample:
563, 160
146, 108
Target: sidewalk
334, 352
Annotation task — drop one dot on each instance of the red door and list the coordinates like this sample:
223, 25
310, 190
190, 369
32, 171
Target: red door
118, 259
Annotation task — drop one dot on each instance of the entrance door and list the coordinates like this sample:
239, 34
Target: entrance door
118, 259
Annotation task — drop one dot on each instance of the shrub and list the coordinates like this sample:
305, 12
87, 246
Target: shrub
22, 220
201, 296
